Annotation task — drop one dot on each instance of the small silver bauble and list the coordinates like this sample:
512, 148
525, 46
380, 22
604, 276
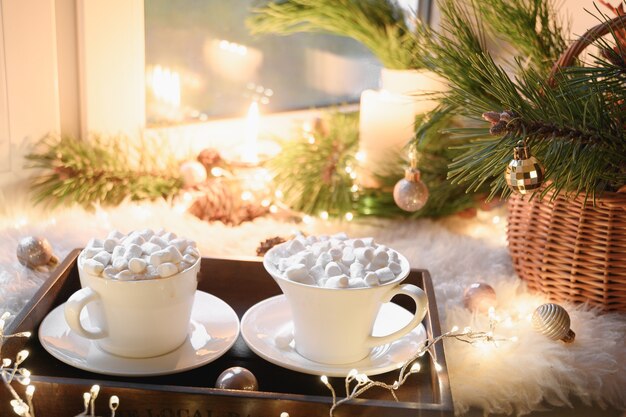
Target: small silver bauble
479, 297
410, 193
237, 378
192, 173
35, 253
553, 321
524, 173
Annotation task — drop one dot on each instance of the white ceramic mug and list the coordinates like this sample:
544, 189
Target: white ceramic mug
136, 319
334, 326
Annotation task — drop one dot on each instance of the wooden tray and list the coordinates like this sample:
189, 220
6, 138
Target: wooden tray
241, 283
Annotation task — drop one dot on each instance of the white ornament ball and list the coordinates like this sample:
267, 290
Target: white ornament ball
192, 173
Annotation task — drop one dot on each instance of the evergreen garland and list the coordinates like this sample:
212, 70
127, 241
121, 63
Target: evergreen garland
314, 172
102, 170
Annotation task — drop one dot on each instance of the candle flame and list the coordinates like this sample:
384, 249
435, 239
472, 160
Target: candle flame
253, 120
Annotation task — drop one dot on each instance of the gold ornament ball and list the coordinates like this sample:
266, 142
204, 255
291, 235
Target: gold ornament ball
237, 378
192, 173
410, 193
524, 173
34, 252
553, 321
479, 297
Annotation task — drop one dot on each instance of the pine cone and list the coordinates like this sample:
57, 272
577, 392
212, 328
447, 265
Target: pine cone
209, 158
268, 244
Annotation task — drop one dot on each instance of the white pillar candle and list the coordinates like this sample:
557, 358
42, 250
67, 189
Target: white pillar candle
387, 116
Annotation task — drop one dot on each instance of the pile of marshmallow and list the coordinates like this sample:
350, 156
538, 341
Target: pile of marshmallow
338, 262
139, 255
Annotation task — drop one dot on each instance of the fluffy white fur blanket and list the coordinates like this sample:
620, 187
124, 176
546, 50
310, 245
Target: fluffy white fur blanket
512, 377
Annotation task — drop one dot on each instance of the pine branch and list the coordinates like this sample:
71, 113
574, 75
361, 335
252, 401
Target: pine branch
377, 24
100, 170
311, 171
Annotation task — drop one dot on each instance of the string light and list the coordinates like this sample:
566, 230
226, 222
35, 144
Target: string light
324, 215
411, 366
349, 216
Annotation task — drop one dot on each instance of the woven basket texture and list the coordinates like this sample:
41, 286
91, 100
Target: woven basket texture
569, 250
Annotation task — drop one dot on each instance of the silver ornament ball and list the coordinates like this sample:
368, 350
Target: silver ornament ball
553, 321
34, 252
192, 173
410, 193
479, 297
237, 378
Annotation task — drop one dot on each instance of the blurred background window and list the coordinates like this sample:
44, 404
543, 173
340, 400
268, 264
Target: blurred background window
202, 64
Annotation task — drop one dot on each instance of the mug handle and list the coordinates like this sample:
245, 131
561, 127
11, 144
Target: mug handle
74, 306
421, 305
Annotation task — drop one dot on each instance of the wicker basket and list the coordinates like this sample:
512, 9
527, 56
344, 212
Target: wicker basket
566, 248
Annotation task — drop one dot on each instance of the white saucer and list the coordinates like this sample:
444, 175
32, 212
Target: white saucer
213, 330
269, 318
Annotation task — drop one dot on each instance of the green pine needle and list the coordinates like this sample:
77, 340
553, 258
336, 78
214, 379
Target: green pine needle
100, 170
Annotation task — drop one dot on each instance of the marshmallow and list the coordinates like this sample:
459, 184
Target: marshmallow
336, 254
380, 259
169, 236
183, 265
120, 263
283, 338
174, 254
364, 255
340, 281
115, 235
357, 243
385, 274
333, 269
371, 279
157, 240
338, 262
395, 267
110, 244
95, 243
294, 246
167, 269
357, 270
132, 251
348, 257
134, 238
318, 272
158, 258
191, 250
93, 267
146, 234
117, 252
90, 252
298, 273
124, 275
149, 248
180, 244
137, 265
357, 283
103, 257
189, 259
324, 259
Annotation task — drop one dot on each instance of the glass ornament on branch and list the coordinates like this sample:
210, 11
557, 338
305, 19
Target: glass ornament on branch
410, 193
